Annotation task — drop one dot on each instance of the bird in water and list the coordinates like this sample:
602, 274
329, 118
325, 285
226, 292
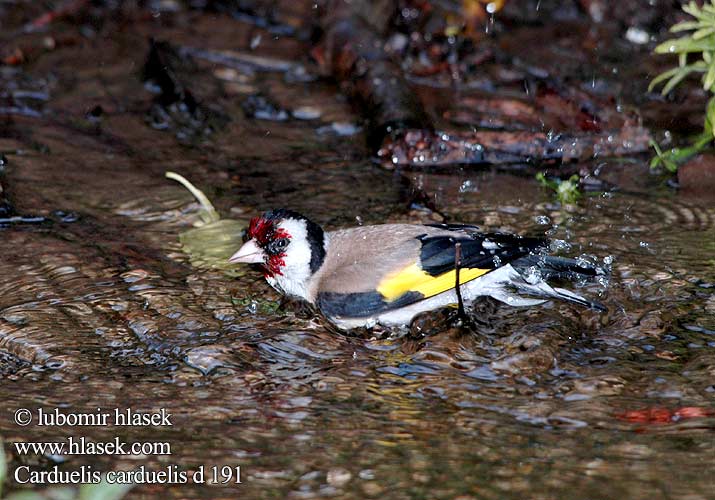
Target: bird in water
389, 273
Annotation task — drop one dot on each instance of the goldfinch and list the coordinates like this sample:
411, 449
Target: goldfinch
389, 273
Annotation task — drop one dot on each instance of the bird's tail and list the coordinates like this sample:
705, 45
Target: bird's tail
577, 299
538, 287
550, 267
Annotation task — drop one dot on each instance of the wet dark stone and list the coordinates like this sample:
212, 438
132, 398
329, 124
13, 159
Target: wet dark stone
10, 364
66, 216
175, 107
160, 68
6, 210
95, 114
260, 107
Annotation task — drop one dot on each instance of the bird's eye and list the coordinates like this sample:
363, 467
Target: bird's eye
278, 245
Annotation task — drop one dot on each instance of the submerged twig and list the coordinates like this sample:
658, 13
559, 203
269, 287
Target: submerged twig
209, 214
421, 149
457, 266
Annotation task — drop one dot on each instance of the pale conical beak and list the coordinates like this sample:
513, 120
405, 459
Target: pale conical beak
249, 253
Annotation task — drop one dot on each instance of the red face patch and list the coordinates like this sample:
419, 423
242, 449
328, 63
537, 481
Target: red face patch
264, 231
259, 228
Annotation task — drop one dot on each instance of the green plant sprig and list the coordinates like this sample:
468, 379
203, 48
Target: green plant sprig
701, 42
696, 54
567, 191
674, 157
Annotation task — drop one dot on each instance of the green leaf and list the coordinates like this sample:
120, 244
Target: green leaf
210, 245
567, 192
678, 74
683, 59
686, 26
676, 79
709, 126
704, 13
662, 77
675, 157
547, 183
684, 44
661, 158
703, 32
709, 77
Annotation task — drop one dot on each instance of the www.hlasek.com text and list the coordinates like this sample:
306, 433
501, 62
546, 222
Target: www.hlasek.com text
84, 446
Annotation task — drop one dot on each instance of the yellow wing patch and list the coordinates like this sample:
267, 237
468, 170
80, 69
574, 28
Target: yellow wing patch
414, 279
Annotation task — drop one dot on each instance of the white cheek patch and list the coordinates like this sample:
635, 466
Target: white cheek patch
296, 272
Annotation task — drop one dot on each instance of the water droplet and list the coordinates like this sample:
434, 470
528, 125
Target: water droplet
585, 261
637, 35
533, 275
543, 220
557, 245
467, 187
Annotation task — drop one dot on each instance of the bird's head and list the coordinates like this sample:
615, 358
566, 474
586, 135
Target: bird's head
289, 247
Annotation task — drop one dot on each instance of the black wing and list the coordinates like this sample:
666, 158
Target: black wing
478, 250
